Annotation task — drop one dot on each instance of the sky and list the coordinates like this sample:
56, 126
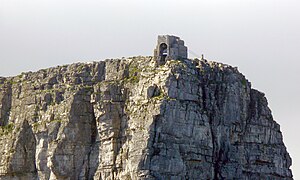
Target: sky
261, 38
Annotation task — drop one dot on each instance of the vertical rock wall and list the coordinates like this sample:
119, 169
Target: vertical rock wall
129, 119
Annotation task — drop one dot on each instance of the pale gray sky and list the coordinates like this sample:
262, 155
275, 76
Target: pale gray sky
261, 38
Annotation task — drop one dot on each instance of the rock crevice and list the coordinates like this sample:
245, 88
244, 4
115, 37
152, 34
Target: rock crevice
131, 119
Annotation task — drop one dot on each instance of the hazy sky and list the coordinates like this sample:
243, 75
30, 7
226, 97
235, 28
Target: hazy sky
260, 37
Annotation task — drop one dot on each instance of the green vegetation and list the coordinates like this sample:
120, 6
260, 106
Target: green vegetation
35, 116
163, 96
170, 99
12, 82
47, 90
43, 123
56, 121
175, 62
133, 70
36, 125
11, 151
178, 63
7, 129
160, 96
133, 79
89, 87
134, 74
20, 76
141, 128
98, 93
80, 67
244, 82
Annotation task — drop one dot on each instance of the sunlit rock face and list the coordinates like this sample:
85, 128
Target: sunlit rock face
134, 119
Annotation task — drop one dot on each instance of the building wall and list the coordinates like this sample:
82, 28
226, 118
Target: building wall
175, 48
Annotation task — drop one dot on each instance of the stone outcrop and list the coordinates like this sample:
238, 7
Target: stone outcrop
131, 119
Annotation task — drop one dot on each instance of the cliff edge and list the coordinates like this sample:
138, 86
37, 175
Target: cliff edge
129, 119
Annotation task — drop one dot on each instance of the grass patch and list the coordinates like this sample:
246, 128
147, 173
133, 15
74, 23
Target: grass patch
89, 88
134, 74
133, 79
161, 96
244, 82
7, 129
56, 121
12, 82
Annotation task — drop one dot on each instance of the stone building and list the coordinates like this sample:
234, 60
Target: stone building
169, 47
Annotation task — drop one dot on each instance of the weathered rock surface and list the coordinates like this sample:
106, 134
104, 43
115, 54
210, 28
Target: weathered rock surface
128, 119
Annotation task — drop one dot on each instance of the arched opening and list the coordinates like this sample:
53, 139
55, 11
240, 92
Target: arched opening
163, 51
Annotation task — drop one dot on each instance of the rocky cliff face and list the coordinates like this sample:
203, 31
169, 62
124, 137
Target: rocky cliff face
128, 119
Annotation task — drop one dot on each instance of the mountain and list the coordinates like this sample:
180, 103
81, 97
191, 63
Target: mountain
133, 119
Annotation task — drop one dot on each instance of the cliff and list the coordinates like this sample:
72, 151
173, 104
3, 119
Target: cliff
128, 119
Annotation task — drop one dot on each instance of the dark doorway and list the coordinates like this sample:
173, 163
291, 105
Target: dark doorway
163, 52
